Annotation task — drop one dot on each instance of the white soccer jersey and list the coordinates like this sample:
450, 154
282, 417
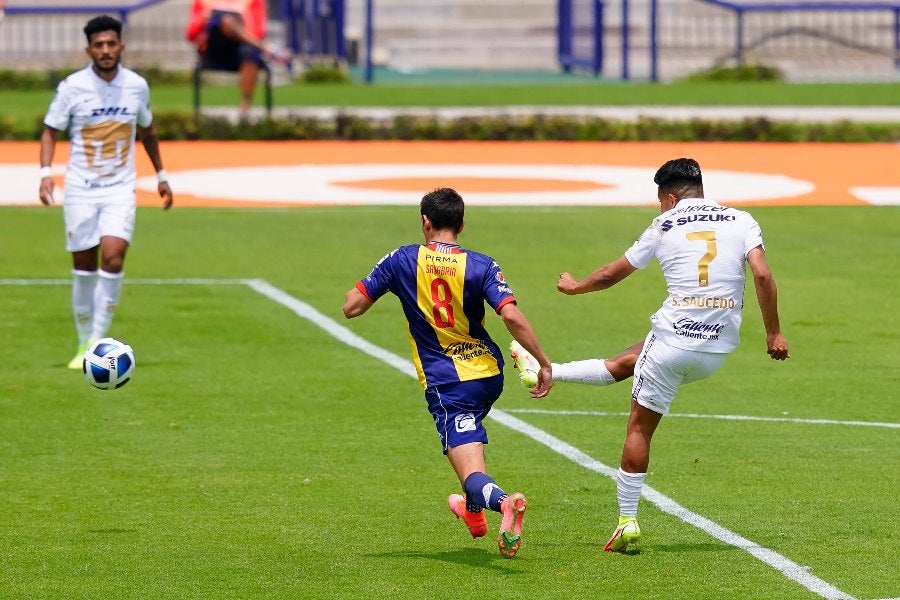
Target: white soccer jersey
702, 248
102, 118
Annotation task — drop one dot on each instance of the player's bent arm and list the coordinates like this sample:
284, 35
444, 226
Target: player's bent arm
519, 327
767, 296
48, 149
356, 303
605, 277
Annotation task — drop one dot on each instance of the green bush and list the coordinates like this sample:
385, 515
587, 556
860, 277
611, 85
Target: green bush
179, 126
744, 72
324, 74
186, 126
48, 79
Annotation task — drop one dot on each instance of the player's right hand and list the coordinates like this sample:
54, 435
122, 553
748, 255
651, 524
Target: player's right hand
566, 283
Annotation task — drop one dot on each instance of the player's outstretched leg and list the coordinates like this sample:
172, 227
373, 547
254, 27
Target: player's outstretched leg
526, 364
626, 534
510, 539
476, 522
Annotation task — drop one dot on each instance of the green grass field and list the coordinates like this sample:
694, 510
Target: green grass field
254, 455
30, 106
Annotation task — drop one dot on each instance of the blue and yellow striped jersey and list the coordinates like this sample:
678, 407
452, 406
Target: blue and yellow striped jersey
443, 289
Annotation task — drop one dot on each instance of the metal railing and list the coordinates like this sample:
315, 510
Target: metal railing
98, 9
824, 40
741, 10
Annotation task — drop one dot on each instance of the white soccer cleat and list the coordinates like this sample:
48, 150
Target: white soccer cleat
526, 364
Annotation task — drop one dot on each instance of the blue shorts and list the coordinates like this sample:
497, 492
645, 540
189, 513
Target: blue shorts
224, 53
459, 408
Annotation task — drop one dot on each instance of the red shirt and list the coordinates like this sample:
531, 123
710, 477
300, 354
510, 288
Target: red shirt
253, 13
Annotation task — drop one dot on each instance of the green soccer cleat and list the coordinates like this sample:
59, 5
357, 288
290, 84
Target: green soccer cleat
510, 539
77, 361
526, 364
627, 533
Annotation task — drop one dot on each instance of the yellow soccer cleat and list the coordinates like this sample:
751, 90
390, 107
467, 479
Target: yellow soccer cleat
77, 361
626, 534
526, 364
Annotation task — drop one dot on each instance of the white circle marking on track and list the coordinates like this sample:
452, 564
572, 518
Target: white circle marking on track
331, 184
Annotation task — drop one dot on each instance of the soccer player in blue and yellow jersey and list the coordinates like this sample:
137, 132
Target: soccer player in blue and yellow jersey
443, 288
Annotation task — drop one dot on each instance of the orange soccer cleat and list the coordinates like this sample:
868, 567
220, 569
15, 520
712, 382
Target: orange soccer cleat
476, 522
510, 538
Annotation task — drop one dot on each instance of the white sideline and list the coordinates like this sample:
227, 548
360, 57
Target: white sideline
787, 567
596, 413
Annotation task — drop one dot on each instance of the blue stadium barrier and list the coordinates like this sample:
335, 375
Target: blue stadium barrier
315, 28
580, 35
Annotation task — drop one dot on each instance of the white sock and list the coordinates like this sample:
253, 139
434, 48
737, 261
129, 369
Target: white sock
106, 299
591, 372
83, 285
628, 492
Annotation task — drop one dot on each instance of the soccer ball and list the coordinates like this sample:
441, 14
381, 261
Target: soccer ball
108, 364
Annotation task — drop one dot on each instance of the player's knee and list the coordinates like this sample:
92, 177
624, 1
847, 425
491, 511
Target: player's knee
623, 366
113, 264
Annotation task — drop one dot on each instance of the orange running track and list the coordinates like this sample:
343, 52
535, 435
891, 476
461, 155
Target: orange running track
340, 172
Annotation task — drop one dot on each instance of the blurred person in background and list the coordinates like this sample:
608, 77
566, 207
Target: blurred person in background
229, 35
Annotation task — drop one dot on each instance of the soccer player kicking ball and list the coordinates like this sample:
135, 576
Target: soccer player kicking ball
103, 105
702, 248
442, 289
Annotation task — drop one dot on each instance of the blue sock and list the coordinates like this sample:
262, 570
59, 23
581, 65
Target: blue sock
482, 490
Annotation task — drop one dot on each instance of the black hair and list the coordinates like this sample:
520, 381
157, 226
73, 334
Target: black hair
680, 176
444, 207
102, 23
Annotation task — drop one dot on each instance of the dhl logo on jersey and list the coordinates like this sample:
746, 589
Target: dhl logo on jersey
112, 111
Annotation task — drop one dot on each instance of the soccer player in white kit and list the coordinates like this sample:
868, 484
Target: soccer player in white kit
702, 248
104, 106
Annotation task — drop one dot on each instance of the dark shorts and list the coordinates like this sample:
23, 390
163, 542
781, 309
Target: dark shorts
224, 53
459, 408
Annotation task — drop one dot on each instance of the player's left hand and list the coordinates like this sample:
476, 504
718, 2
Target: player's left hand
777, 346
544, 383
165, 192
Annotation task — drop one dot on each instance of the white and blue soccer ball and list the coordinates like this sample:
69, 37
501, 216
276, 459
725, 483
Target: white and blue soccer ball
108, 364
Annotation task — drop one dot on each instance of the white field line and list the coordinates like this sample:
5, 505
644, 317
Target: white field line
781, 563
787, 567
174, 281
595, 413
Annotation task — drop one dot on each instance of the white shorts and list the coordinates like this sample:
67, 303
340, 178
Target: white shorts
661, 369
87, 221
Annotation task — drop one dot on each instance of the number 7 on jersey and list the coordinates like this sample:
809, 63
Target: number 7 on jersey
703, 264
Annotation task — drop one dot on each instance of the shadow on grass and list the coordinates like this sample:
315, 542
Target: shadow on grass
476, 557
